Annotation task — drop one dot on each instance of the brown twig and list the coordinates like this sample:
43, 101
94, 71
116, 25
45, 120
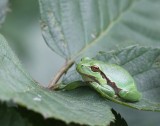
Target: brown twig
63, 69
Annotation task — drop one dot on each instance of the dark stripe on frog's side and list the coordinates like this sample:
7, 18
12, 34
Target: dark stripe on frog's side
110, 83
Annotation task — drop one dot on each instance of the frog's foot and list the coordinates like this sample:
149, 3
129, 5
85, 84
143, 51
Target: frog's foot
115, 96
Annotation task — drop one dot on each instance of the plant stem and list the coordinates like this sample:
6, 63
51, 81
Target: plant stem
59, 74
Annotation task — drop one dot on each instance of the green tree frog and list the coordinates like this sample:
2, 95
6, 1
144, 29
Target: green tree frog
108, 79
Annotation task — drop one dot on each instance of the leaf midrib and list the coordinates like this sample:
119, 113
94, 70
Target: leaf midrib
104, 32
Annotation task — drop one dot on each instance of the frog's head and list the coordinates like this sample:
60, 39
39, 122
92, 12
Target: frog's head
90, 70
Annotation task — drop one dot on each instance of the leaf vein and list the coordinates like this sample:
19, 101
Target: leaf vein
105, 32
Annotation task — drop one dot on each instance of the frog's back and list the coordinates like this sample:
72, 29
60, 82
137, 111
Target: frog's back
118, 75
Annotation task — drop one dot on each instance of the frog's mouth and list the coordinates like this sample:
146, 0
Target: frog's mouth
89, 78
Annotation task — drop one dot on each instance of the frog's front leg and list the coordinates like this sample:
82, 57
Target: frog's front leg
105, 90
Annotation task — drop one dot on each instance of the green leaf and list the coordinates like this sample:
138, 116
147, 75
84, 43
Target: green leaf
82, 106
79, 27
144, 65
10, 117
38, 120
3, 10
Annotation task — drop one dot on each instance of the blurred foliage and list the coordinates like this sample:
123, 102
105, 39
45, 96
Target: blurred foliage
22, 14
119, 121
10, 117
3, 10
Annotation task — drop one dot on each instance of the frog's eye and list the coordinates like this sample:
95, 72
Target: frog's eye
95, 68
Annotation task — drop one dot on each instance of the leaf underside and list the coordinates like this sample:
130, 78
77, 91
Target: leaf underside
84, 27
82, 106
144, 65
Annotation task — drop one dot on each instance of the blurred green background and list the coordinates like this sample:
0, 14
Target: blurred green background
22, 30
